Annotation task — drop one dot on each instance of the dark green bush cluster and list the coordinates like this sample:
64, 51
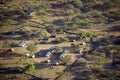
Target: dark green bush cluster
75, 46
60, 40
43, 34
84, 35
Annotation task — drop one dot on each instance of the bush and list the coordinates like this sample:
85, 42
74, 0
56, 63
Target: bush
43, 34
91, 77
82, 61
32, 48
7, 22
75, 46
96, 53
74, 26
25, 32
60, 73
78, 3
51, 29
65, 39
58, 40
30, 67
83, 35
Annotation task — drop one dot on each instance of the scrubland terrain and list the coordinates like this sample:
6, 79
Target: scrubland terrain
88, 29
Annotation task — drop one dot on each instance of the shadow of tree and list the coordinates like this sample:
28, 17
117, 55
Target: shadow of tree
11, 70
10, 54
115, 29
41, 53
41, 65
59, 22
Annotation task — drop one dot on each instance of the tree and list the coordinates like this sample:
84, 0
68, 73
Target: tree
32, 48
43, 34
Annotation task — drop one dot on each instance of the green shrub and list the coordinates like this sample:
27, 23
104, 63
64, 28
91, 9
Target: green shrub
84, 35
59, 73
32, 48
96, 52
30, 67
78, 3
58, 40
65, 39
25, 32
7, 22
74, 26
84, 23
91, 77
75, 46
82, 61
43, 34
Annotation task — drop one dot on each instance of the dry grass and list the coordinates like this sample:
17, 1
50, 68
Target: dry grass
48, 72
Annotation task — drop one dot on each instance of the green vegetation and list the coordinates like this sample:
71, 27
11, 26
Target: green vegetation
78, 3
25, 32
75, 46
84, 35
60, 40
43, 34
8, 22
65, 39
32, 48
94, 21
30, 67
57, 49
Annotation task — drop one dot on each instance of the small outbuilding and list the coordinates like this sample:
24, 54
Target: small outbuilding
53, 36
63, 54
22, 43
49, 52
30, 11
